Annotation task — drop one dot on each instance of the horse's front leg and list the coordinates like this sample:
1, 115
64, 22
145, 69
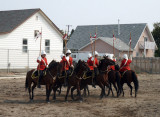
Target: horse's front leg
72, 89
48, 90
33, 87
68, 88
54, 92
79, 92
102, 90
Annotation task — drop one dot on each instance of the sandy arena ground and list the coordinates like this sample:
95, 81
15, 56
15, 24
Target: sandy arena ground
14, 101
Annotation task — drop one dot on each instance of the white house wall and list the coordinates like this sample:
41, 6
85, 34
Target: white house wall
12, 42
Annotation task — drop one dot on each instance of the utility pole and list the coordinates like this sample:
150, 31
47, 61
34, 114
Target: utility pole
68, 26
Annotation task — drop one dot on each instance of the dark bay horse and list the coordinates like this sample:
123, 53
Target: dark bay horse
114, 79
48, 79
101, 79
73, 80
128, 77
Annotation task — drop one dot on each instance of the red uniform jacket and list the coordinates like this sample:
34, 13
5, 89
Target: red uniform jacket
96, 62
68, 63
124, 66
112, 66
90, 63
42, 64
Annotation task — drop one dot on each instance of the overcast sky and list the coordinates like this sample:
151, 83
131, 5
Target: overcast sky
91, 12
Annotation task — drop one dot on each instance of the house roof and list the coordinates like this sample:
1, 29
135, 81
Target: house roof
118, 44
81, 35
9, 20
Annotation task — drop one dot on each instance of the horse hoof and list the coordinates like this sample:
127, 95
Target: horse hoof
31, 100
80, 101
48, 102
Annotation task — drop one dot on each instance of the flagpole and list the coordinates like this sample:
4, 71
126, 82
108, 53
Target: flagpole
91, 43
40, 42
130, 44
40, 51
113, 44
95, 47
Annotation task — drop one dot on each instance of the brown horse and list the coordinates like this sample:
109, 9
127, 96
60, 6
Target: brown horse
128, 77
73, 80
114, 79
101, 79
48, 79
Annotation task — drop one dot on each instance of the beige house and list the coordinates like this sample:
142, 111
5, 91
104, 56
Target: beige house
80, 40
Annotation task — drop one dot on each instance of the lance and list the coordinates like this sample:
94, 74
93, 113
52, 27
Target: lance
130, 44
40, 33
91, 43
95, 46
113, 43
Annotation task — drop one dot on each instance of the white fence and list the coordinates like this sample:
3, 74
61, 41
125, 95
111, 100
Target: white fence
18, 60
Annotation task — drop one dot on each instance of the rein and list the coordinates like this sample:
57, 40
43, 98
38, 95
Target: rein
51, 75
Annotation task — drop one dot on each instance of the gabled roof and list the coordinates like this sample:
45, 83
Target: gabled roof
10, 20
81, 35
118, 44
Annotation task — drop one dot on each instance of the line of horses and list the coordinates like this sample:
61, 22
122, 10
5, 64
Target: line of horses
82, 77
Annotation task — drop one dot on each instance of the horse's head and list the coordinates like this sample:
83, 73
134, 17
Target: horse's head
81, 66
103, 63
55, 67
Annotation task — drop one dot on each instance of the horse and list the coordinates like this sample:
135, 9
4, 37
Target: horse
101, 79
48, 80
114, 79
73, 80
128, 77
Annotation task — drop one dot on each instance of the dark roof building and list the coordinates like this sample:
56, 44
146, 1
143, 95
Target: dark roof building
80, 39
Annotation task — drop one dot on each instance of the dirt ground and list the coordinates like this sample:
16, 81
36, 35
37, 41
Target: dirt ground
14, 101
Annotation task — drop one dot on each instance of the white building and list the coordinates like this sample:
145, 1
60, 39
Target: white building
18, 48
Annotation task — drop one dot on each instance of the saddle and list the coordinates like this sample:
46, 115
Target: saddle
35, 73
89, 74
124, 73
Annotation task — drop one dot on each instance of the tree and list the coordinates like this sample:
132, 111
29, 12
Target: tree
156, 35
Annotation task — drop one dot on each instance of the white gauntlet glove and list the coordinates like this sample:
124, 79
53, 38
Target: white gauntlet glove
39, 58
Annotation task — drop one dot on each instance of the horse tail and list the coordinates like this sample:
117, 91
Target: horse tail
26, 82
118, 80
135, 81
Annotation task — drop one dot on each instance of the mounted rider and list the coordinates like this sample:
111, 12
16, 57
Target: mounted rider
91, 67
111, 67
125, 64
67, 62
95, 65
43, 64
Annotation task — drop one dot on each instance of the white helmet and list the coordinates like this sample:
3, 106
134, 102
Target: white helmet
43, 52
125, 56
89, 55
106, 54
96, 53
62, 55
110, 56
68, 51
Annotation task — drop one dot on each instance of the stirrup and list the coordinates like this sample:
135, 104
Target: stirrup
38, 85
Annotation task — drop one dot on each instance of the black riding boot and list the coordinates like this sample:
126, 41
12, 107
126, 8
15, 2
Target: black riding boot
39, 80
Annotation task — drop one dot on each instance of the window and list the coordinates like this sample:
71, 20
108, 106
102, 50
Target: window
137, 54
24, 46
47, 46
73, 56
36, 18
145, 39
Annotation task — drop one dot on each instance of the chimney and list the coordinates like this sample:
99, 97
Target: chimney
119, 27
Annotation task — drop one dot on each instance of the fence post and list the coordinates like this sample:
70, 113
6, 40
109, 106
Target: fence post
28, 61
8, 64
